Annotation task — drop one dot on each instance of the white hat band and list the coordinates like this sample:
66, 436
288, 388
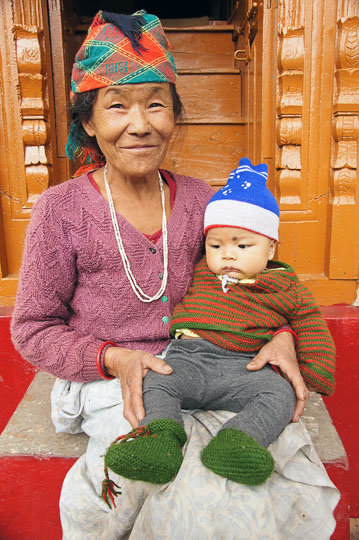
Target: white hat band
232, 213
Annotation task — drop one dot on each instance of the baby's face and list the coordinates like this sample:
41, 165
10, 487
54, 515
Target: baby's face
237, 252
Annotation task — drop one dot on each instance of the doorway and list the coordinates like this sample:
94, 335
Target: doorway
210, 138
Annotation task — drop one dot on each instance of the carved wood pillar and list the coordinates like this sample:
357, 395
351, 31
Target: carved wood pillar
290, 114
27, 127
344, 240
314, 132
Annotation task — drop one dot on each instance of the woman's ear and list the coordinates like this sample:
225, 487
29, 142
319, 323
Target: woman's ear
88, 128
272, 247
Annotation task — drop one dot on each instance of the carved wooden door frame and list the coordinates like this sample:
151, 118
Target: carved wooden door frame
301, 93
27, 127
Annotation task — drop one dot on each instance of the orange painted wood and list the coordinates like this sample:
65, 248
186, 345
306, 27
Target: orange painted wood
211, 98
206, 151
12, 165
201, 49
300, 107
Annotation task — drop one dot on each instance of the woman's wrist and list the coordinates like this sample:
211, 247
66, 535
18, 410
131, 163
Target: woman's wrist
113, 359
102, 354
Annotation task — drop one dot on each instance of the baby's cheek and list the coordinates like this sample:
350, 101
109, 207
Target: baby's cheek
212, 261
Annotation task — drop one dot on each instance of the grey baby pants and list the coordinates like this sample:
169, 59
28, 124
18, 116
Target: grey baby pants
207, 377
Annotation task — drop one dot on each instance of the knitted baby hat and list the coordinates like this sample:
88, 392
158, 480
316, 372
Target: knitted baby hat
245, 202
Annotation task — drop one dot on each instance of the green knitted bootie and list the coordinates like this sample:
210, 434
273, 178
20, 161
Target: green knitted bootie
238, 457
149, 453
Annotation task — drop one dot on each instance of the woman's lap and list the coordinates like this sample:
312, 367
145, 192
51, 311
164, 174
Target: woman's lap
197, 504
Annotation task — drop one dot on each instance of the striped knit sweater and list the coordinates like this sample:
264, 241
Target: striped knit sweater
245, 318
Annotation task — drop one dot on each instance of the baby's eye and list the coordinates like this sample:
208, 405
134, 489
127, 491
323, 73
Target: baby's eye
214, 246
243, 246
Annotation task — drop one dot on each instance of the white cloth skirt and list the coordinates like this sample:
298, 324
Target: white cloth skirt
297, 502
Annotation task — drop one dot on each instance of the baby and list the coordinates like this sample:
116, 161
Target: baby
239, 297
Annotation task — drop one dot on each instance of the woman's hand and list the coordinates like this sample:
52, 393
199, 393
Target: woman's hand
280, 352
131, 367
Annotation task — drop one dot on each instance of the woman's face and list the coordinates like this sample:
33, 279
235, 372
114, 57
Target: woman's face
133, 124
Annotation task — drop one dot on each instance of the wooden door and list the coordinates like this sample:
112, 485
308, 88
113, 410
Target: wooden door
210, 139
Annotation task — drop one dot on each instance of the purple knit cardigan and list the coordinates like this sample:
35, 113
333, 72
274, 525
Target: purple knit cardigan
73, 293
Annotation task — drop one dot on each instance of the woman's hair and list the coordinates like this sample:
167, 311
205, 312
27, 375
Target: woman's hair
81, 111
178, 109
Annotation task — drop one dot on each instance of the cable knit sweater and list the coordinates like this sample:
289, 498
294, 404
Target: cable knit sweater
73, 293
244, 318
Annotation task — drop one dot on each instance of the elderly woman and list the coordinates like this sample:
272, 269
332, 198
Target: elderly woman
108, 255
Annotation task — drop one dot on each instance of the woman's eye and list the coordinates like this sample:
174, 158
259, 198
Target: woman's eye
156, 104
116, 106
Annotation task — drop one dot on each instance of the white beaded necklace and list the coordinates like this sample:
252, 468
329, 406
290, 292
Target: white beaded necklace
135, 287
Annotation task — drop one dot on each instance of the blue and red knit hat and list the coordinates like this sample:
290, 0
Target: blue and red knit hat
245, 202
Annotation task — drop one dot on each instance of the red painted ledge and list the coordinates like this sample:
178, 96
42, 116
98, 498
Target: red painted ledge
343, 322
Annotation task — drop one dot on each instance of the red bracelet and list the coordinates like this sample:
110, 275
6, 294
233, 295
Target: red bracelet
286, 329
98, 360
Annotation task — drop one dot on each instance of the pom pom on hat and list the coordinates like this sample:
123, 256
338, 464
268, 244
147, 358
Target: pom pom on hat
245, 202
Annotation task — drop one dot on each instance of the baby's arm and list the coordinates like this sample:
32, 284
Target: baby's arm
315, 346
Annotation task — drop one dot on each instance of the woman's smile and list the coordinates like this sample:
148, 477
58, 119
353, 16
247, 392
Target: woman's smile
139, 147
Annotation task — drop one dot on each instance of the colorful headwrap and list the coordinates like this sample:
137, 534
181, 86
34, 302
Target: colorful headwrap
119, 49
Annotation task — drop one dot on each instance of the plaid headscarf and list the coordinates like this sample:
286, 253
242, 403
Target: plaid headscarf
118, 49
